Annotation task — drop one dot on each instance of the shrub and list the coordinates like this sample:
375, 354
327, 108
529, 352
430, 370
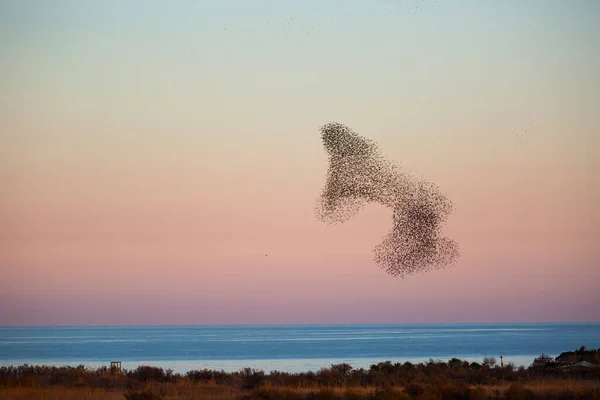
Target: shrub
145, 373
489, 361
326, 394
390, 394
343, 368
220, 377
454, 390
270, 393
252, 378
142, 395
517, 391
204, 375
352, 394
415, 389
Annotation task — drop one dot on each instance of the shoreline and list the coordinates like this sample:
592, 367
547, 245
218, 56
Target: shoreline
267, 365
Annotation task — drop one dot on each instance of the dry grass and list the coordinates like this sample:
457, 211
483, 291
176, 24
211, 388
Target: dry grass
166, 393
191, 391
59, 392
544, 388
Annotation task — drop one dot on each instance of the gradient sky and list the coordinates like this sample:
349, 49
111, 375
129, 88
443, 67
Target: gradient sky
152, 153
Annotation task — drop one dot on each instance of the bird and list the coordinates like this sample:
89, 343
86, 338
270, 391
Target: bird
520, 137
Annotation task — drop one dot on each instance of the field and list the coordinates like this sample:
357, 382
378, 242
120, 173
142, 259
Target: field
454, 379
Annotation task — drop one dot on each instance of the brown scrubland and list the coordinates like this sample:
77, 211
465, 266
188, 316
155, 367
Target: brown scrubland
454, 379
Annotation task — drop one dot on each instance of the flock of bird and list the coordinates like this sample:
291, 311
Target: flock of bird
358, 174
520, 136
289, 25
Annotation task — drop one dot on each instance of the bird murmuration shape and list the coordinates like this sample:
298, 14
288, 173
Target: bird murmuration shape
358, 174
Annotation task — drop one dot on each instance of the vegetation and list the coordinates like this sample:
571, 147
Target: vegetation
581, 354
454, 379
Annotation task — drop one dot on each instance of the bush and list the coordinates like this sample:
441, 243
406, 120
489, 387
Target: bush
343, 368
220, 377
517, 391
142, 395
415, 389
145, 373
454, 390
390, 394
477, 393
269, 393
326, 394
352, 394
204, 375
489, 361
252, 378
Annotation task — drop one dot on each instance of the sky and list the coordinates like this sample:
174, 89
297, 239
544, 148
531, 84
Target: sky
160, 161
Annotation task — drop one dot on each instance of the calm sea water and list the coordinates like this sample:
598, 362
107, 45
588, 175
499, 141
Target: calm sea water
290, 348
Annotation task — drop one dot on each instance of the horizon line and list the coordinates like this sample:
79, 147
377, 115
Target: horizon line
297, 324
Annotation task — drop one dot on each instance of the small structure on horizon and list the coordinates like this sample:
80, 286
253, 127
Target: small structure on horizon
581, 364
115, 366
542, 361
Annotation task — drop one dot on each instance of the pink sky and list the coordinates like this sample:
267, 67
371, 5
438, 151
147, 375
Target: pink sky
145, 185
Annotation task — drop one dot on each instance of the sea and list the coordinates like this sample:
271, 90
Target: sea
290, 348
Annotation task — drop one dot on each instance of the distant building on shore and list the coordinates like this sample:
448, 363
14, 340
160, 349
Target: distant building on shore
115, 366
542, 361
580, 364
585, 364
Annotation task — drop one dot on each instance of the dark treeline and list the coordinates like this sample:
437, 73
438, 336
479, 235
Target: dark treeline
581, 354
454, 379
